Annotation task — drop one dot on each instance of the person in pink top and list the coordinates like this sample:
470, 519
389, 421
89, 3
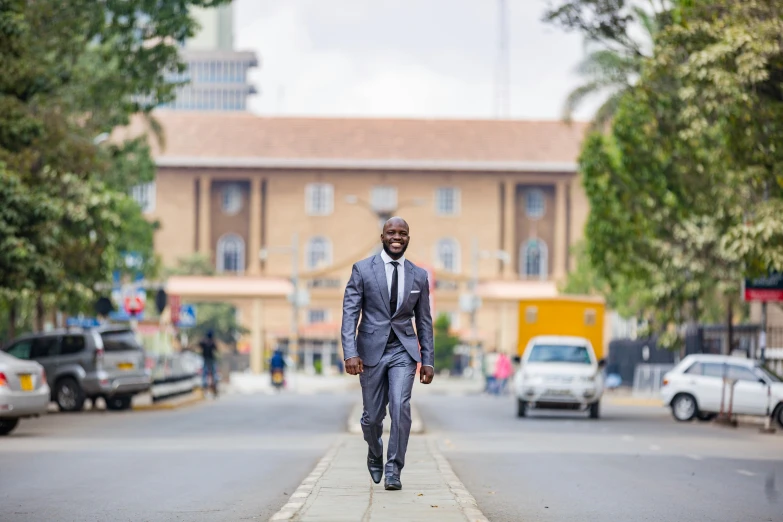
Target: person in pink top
503, 371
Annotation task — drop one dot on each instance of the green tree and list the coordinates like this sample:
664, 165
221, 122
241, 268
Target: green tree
444, 343
615, 54
97, 65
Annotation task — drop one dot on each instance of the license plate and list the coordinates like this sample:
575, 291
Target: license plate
125, 366
558, 392
26, 380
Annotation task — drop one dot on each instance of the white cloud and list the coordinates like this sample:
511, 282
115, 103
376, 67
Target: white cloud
420, 58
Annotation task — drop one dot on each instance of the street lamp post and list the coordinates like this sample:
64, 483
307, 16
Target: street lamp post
296, 298
472, 302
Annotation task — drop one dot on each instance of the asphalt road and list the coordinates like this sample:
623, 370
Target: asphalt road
634, 464
237, 458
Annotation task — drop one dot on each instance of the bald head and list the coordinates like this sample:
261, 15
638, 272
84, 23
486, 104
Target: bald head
397, 221
395, 237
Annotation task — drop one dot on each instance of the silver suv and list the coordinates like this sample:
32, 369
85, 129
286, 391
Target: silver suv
81, 364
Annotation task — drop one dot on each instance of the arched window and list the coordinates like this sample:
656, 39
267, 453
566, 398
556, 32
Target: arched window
533, 259
447, 255
231, 254
319, 252
232, 198
534, 204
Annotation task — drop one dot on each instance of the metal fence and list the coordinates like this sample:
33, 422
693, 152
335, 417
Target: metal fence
648, 378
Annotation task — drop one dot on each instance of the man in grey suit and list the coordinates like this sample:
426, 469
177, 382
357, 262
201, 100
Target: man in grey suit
388, 291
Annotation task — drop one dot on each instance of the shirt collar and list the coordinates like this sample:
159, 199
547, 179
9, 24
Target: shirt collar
387, 259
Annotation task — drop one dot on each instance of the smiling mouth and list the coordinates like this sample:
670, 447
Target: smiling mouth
398, 245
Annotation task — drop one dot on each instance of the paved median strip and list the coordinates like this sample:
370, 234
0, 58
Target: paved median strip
340, 489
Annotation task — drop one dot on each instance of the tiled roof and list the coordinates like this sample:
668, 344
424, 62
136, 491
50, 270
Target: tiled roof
245, 138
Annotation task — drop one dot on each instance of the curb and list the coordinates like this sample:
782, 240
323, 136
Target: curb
648, 402
355, 427
305, 490
466, 501
190, 401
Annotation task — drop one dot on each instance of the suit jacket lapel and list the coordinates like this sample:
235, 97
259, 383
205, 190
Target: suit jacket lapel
408, 285
380, 278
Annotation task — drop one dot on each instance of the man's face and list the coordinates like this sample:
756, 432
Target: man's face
395, 238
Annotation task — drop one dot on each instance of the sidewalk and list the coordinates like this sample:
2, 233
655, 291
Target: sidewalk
339, 489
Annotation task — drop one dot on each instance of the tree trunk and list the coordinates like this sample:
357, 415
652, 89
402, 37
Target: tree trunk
729, 327
40, 314
12, 313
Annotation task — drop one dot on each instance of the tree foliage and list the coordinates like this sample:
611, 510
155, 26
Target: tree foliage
444, 343
685, 191
74, 70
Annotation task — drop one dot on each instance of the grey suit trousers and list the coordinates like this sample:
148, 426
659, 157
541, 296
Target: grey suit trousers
390, 382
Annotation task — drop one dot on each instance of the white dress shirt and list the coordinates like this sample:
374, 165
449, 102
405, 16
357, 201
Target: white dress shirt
387, 263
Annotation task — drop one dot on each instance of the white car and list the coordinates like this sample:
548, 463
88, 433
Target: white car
558, 372
695, 387
23, 391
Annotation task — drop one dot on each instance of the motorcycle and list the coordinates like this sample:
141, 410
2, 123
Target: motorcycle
278, 378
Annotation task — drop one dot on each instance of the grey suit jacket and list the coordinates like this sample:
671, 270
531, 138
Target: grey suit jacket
367, 292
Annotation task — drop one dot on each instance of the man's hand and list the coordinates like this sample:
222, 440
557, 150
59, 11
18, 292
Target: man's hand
426, 374
354, 366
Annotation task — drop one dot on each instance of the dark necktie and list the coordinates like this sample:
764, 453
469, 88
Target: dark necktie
394, 287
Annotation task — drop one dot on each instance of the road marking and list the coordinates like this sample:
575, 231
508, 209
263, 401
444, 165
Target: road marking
746, 473
695, 457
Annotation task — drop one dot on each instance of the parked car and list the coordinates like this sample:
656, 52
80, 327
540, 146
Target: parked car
559, 372
23, 391
81, 364
694, 388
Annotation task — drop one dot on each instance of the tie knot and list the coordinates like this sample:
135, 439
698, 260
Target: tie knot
395, 264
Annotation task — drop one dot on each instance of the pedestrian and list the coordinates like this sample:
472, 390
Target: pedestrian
208, 353
389, 291
490, 361
277, 366
503, 371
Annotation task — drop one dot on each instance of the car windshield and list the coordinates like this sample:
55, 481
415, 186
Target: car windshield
559, 353
769, 375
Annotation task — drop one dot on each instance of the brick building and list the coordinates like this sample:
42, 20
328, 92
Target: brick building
231, 185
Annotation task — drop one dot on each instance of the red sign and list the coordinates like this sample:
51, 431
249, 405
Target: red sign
757, 294
174, 304
134, 305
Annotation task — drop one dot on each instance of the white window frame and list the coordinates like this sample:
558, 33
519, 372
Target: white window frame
231, 199
327, 252
224, 241
537, 209
524, 251
383, 198
440, 197
454, 245
319, 311
145, 195
319, 199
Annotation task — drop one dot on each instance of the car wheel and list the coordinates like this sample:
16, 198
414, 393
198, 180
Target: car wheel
8, 425
595, 410
521, 408
69, 395
684, 407
118, 403
779, 414
706, 417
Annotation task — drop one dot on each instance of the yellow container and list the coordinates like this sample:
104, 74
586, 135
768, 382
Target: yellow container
564, 315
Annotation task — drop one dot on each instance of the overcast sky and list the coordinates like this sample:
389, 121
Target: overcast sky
407, 58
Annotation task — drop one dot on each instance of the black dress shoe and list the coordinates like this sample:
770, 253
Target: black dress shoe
375, 465
393, 483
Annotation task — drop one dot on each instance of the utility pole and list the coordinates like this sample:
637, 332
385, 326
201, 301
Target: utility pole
294, 342
503, 68
763, 334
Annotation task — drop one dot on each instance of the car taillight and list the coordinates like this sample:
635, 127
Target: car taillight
666, 382
43, 376
99, 355
3, 379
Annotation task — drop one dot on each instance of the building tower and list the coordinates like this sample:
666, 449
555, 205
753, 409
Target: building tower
217, 74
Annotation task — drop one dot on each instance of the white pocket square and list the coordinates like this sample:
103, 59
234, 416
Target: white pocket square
415, 291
